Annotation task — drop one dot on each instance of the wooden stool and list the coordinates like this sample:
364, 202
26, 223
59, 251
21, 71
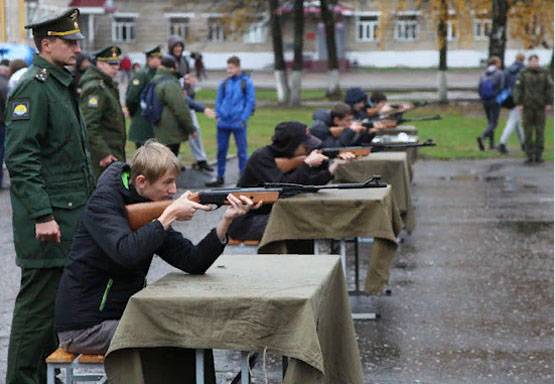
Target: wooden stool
242, 246
68, 361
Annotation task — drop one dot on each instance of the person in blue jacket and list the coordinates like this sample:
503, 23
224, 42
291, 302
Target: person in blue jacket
235, 103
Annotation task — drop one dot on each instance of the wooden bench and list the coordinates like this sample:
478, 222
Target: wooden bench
61, 359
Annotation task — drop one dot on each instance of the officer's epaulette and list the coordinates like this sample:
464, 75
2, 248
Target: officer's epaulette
42, 74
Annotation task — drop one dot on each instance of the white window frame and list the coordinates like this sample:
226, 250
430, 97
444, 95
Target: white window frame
452, 30
367, 28
402, 23
216, 32
256, 33
481, 28
121, 22
179, 26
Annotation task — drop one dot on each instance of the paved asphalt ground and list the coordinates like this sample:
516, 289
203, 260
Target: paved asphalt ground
472, 288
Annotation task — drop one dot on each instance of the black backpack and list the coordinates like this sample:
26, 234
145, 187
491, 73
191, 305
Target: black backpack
151, 106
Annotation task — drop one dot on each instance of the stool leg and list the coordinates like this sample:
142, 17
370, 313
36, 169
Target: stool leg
199, 364
357, 267
284, 364
245, 368
50, 378
69, 374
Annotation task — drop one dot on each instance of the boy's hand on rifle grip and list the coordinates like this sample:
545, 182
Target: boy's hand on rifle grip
181, 209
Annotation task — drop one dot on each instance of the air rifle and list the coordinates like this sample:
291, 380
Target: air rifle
376, 147
142, 213
287, 164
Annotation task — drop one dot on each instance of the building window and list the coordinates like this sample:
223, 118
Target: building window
215, 30
256, 33
367, 28
482, 29
452, 31
179, 26
406, 28
123, 29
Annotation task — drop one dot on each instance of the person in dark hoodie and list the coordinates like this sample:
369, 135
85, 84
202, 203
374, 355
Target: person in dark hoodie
176, 48
108, 262
291, 139
514, 119
336, 128
491, 83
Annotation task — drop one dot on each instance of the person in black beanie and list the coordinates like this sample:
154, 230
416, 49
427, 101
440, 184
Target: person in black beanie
291, 139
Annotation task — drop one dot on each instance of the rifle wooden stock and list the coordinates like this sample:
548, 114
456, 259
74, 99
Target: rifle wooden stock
142, 213
332, 153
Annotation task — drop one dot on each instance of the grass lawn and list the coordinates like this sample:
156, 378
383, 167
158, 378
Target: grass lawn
455, 134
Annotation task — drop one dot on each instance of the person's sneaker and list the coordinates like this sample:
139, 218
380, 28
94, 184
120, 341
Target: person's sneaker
502, 148
539, 160
480, 144
203, 166
217, 182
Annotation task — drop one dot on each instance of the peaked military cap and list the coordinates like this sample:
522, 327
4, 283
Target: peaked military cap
156, 51
64, 26
110, 55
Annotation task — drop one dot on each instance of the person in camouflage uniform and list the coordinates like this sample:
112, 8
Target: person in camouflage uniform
51, 179
141, 130
102, 111
533, 93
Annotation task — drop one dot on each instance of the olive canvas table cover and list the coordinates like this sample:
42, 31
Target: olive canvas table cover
293, 305
394, 169
339, 214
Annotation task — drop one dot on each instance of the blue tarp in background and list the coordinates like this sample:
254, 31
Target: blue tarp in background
16, 51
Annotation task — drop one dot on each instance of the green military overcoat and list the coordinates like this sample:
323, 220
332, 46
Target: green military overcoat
48, 160
175, 125
533, 89
140, 130
103, 117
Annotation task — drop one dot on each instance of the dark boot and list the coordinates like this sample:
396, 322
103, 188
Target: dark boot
502, 148
217, 182
491, 143
480, 143
203, 166
539, 158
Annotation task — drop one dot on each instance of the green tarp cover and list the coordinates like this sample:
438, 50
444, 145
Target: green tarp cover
339, 214
393, 168
294, 305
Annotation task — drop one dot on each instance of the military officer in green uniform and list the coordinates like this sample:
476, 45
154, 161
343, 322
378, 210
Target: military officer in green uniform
102, 110
51, 179
141, 130
533, 93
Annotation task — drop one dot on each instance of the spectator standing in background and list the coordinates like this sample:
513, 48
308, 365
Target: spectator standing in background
514, 118
533, 94
491, 83
235, 103
4, 76
176, 48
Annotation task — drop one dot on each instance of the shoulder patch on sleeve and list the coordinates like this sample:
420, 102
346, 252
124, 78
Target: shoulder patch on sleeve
136, 81
20, 109
42, 74
93, 101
